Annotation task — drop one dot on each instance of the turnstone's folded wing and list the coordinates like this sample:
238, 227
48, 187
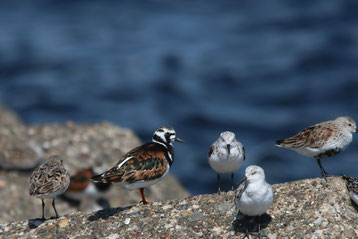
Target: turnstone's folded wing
144, 163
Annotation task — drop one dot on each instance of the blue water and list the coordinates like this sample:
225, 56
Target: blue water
262, 69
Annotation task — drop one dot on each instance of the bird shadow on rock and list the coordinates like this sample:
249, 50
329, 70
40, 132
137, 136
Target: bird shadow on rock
106, 213
34, 223
245, 224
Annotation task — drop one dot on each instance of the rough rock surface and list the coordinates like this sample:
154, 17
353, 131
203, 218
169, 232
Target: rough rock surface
7, 117
308, 208
82, 146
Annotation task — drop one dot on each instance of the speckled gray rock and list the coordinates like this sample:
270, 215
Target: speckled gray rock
307, 208
81, 146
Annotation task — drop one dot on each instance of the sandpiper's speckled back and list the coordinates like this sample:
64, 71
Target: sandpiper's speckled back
49, 179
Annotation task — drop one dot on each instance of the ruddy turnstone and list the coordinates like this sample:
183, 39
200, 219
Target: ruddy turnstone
145, 165
322, 140
256, 196
226, 155
352, 185
49, 180
85, 193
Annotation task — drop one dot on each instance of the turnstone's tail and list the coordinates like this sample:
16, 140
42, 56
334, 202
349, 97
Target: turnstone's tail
98, 179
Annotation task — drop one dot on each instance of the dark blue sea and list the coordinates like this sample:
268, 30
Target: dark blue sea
262, 69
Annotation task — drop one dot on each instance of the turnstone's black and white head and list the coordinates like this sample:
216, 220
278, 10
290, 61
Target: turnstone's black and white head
165, 135
145, 165
226, 155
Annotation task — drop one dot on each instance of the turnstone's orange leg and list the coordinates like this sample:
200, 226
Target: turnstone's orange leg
143, 198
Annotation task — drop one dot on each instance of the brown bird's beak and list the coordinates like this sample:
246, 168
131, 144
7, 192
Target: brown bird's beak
178, 140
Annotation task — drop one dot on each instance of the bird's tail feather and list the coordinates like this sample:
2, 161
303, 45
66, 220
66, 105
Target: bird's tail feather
98, 178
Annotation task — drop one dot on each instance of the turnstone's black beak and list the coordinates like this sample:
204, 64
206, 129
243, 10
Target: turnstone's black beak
228, 148
356, 130
179, 140
244, 179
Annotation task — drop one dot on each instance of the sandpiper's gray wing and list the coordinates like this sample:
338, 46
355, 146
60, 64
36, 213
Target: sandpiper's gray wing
211, 150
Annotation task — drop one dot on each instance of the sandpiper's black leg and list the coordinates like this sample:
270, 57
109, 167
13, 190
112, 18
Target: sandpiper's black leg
232, 181
259, 235
218, 177
43, 209
53, 204
323, 172
247, 233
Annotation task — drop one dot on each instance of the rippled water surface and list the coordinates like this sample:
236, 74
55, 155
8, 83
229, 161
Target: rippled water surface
263, 70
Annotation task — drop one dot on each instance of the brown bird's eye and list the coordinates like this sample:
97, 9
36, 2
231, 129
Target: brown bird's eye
349, 124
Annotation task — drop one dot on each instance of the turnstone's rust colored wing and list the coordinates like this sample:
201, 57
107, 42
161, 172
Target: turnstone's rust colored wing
147, 162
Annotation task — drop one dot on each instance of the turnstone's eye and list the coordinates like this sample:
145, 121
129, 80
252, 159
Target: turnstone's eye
349, 124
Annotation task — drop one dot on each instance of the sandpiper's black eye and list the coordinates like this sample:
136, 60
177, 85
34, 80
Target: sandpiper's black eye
349, 124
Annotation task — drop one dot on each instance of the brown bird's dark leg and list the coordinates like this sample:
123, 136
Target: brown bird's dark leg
143, 198
43, 209
53, 205
323, 172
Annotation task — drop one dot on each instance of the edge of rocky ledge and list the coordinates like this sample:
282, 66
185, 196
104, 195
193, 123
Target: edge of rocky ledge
308, 208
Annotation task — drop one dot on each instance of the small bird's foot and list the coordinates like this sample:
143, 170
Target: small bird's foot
145, 202
247, 235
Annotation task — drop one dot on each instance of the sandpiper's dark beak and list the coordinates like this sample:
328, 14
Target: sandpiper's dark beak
228, 148
356, 130
179, 140
244, 179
